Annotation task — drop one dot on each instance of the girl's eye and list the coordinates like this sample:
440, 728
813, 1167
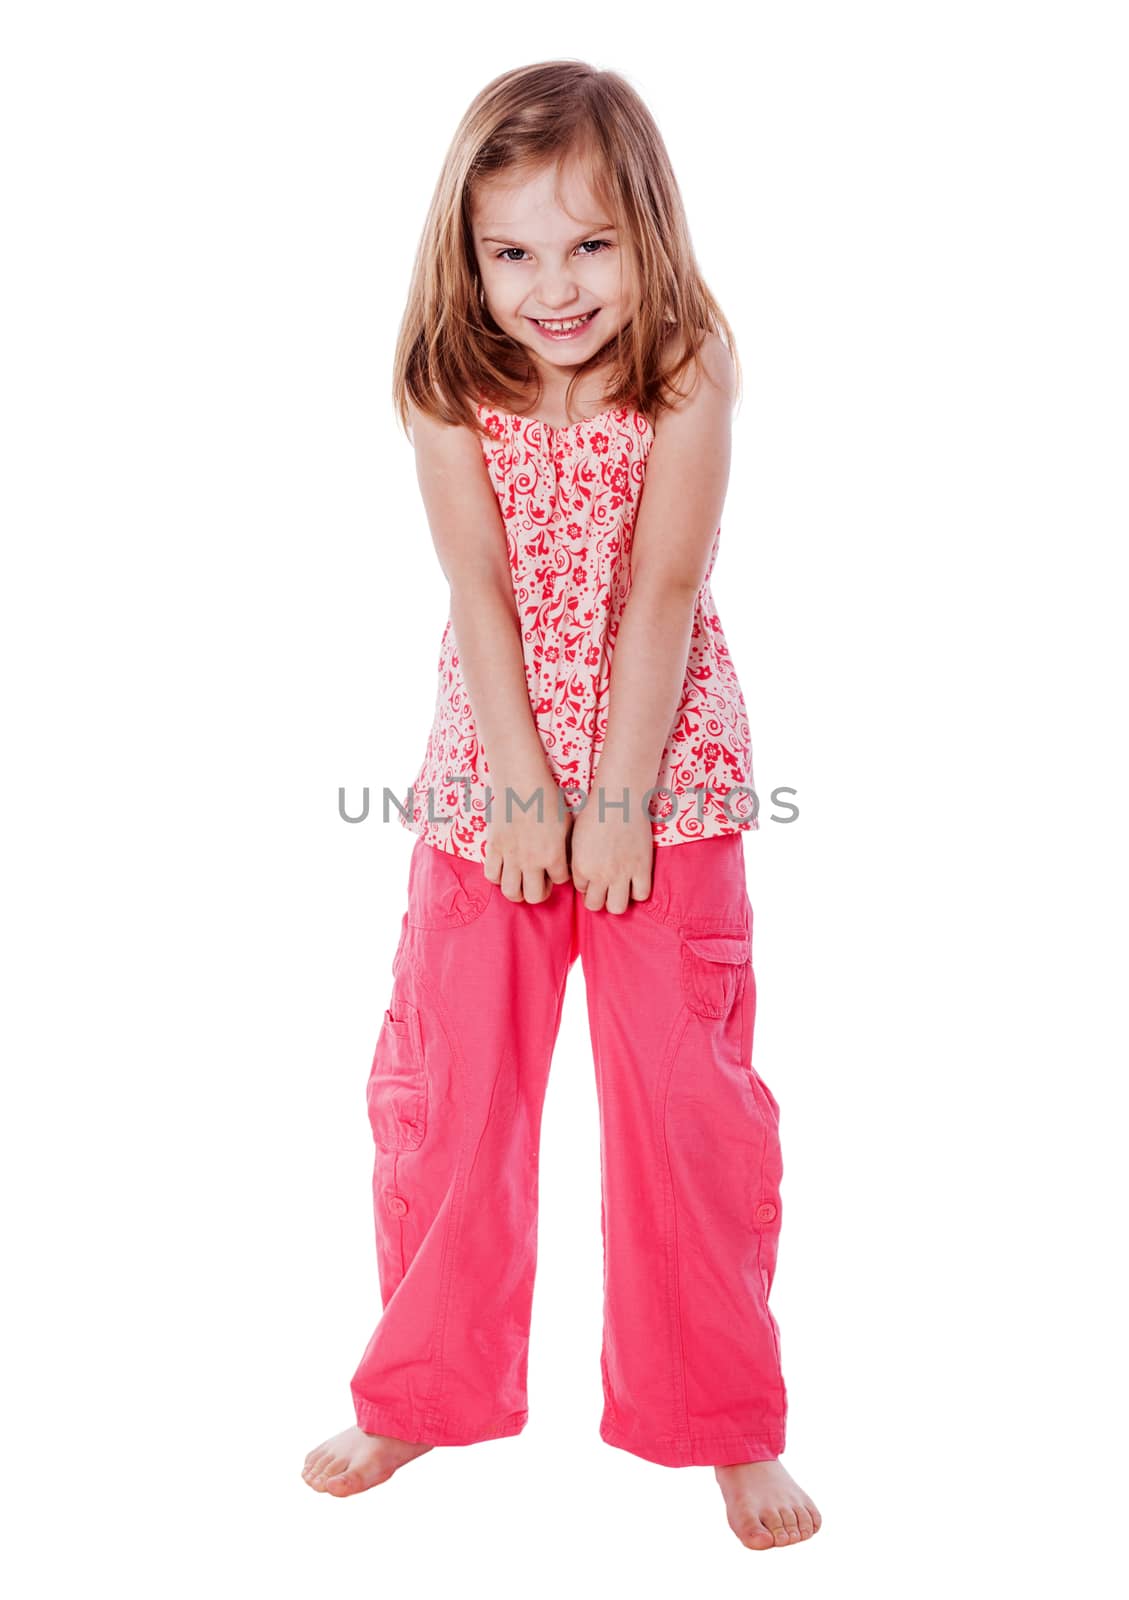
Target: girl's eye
513, 250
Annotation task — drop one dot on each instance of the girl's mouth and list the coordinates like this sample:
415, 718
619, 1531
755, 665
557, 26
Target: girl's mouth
561, 328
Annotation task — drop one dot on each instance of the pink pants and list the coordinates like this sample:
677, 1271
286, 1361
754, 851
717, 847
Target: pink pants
690, 1160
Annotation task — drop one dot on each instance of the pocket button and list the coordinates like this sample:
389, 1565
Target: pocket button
396, 1204
766, 1211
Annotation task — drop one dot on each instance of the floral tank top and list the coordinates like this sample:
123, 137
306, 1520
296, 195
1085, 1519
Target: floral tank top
568, 497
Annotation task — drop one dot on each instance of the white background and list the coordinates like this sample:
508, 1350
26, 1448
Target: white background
220, 604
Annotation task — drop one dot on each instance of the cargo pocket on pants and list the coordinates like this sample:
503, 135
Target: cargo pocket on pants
715, 967
397, 1083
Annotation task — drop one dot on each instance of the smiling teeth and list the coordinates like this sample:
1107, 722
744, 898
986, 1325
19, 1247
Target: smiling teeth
564, 327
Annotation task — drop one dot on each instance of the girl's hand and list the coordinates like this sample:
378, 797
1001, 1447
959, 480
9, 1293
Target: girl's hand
611, 860
526, 857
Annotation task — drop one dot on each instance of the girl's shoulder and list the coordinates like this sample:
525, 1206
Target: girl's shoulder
434, 428
711, 392
716, 358
448, 455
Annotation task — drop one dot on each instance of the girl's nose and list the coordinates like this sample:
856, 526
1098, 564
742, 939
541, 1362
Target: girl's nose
556, 296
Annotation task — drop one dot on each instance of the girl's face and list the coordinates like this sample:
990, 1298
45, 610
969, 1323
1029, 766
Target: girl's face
551, 267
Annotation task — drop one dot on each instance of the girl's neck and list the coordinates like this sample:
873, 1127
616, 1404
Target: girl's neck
588, 399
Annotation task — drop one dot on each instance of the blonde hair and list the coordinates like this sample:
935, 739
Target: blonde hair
450, 352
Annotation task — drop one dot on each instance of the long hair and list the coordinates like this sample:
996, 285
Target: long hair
450, 352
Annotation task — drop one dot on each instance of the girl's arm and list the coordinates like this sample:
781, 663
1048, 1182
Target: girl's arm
470, 542
679, 513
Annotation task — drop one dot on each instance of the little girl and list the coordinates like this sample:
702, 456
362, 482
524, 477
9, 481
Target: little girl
584, 791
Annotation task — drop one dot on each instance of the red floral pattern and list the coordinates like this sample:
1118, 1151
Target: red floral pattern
568, 497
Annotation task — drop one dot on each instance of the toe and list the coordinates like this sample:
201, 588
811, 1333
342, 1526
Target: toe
325, 1470
774, 1522
791, 1524
804, 1521
752, 1532
316, 1463
355, 1479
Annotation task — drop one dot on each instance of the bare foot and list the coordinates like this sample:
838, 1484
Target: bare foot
766, 1506
353, 1461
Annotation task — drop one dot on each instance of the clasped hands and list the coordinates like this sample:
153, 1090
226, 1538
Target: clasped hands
607, 861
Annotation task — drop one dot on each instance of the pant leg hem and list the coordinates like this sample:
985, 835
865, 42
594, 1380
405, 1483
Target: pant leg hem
373, 1418
723, 1450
